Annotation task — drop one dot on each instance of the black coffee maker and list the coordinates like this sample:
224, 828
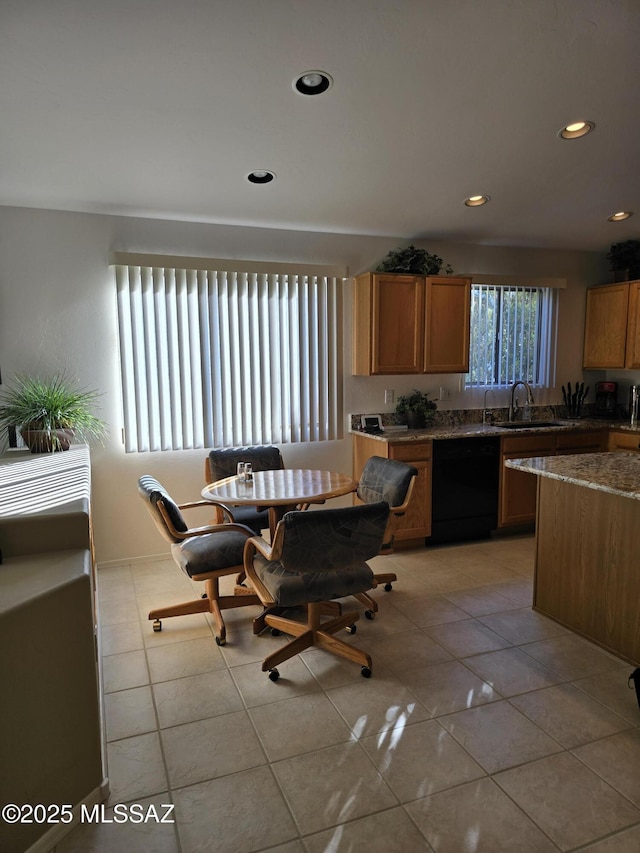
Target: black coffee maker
606, 399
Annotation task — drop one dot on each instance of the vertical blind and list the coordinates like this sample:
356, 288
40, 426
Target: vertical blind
215, 358
513, 335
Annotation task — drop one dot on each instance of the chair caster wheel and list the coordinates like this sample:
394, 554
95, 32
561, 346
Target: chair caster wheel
275, 632
365, 672
368, 614
351, 629
274, 675
157, 626
221, 641
388, 587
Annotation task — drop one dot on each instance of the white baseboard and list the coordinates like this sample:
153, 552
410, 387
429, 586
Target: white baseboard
149, 558
53, 836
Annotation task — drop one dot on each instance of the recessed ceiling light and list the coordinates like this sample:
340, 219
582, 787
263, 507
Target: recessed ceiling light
260, 176
576, 129
476, 200
618, 217
313, 82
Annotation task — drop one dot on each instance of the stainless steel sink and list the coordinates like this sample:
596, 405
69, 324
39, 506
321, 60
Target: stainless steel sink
528, 424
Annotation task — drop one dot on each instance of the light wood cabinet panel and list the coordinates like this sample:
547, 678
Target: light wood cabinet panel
584, 442
632, 359
605, 332
587, 564
518, 488
406, 324
448, 315
396, 331
624, 441
415, 525
387, 324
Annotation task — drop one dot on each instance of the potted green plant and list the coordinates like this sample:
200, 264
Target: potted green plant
412, 261
416, 409
49, 413
624, 259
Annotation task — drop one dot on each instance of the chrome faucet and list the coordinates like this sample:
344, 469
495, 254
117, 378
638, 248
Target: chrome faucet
487, 417
513, 405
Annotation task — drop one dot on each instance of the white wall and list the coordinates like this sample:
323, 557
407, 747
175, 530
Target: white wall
58, 312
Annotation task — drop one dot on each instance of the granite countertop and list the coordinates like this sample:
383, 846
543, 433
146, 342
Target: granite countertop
496, 429
617, 473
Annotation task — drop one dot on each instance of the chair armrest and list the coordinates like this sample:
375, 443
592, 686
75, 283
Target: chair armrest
261, 545
224, 510
225, 527
400, 510
194, 504
253, 544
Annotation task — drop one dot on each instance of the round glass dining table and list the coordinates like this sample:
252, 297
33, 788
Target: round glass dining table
280, 490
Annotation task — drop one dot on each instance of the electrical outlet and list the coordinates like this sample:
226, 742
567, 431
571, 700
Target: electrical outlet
444, 393
389, 395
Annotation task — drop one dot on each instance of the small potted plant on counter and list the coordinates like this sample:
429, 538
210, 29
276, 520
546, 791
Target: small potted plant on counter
49, 413
416, 409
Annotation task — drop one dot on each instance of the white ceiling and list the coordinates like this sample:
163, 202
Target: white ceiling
160, 108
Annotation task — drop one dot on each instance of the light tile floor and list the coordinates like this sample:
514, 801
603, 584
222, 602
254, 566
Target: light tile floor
485, 726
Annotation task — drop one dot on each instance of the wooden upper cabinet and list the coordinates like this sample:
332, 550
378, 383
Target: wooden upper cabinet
397, 340
605, 331
632, 358
448, 315
409, 324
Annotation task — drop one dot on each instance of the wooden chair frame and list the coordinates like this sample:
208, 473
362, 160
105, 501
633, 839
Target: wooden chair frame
386, 578
313, 632
211, 601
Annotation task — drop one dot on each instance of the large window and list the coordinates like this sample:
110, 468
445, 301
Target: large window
223, 357
513, 334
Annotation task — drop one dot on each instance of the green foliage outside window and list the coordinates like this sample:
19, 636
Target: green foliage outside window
505, 335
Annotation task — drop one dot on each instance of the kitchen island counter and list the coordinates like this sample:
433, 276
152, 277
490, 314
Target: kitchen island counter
586, 573
617, 473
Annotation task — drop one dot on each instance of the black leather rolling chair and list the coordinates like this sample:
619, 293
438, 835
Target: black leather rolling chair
315, 557
392, 481
224, 463
203, 553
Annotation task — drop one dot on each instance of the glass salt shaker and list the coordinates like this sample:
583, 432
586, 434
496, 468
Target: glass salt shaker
240, 470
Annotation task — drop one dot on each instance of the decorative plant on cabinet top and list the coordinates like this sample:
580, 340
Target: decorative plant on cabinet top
412, 261
624, 259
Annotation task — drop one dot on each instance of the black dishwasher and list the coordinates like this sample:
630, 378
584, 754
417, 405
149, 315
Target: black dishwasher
465, 481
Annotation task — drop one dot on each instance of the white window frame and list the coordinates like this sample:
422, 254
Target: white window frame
218, 353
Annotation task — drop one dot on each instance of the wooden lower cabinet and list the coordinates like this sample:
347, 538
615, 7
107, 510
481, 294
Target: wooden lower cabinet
415, 526
583, 442
518, 490
624, 441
